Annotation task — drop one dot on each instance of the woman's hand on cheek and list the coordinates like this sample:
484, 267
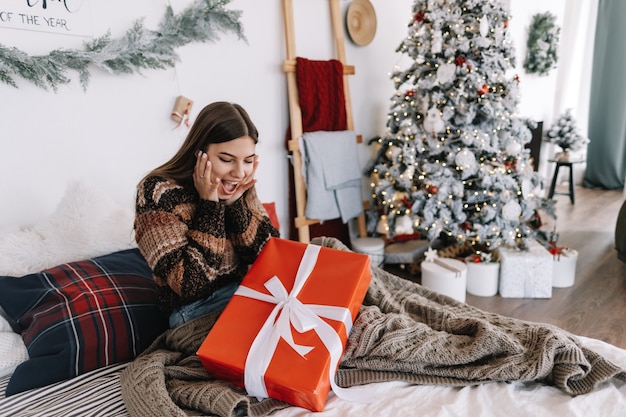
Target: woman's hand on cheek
206, 187
247, 183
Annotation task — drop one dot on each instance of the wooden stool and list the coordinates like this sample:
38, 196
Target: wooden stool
559, 164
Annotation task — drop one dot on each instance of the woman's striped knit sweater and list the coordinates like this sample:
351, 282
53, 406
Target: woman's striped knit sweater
195, 246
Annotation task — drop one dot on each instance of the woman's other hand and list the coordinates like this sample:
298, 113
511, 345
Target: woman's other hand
207, 188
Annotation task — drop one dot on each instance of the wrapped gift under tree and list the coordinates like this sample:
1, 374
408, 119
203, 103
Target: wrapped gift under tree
525, 273
283, 332
563, 260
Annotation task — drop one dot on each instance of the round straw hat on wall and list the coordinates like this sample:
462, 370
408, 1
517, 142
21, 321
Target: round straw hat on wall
361, 22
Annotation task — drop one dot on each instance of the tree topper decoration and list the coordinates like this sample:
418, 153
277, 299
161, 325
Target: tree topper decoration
542, 45
138, 49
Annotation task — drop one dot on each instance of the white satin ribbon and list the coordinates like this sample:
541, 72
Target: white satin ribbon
457, 272
289, 311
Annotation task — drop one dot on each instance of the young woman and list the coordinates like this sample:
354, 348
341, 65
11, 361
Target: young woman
198, 220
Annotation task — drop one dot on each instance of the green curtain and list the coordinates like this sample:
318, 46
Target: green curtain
606, 152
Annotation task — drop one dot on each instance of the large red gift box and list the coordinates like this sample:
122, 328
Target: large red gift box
292, 340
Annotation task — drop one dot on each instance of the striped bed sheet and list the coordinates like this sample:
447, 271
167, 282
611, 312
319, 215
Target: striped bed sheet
98, 394
94, 394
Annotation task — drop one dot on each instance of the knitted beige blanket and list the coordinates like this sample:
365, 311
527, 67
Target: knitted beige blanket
403, 332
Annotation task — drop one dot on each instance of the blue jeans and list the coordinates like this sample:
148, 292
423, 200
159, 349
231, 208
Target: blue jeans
213, 302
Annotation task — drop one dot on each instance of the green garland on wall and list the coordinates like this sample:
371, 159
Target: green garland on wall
542, 45
137, 50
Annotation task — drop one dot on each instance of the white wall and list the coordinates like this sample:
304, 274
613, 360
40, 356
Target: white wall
546, 97
538, 91
120, 128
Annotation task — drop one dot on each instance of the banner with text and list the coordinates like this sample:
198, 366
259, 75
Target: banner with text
68, 17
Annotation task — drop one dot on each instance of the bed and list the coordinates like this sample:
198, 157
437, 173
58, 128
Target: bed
93, 387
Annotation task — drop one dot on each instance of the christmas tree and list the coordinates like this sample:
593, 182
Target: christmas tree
565, 133
452, 163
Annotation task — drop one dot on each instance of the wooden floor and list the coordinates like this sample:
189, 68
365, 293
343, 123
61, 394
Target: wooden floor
595, 306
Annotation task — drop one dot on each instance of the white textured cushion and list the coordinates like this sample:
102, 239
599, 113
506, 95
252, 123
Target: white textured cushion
85, 224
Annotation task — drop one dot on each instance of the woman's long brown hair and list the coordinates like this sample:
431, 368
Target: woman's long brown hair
216, 123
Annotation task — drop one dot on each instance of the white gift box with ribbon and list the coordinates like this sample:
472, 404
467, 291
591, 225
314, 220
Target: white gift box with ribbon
482, 277
525, 273
444, 275
564, 271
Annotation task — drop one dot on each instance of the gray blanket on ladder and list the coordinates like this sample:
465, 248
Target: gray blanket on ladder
332, 175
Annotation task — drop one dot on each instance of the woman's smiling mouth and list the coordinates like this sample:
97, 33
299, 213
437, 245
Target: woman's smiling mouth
229, 186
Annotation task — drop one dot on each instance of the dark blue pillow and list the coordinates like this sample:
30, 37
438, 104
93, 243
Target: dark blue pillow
81, 316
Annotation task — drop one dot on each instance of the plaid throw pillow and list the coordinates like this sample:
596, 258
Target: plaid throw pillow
81, 316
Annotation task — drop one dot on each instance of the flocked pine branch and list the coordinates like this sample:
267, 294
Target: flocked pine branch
137, 50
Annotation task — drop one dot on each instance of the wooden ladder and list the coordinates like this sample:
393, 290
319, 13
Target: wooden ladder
301, 222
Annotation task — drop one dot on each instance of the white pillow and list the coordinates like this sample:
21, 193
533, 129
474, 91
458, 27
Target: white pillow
12, 348
85, 224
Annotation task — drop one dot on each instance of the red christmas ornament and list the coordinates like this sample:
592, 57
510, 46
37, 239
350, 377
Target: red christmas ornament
466, 226
460, 61
419, 17
432, 189
483, 90
476, 259
510, 163
506, 23
410, 93
406, 202
516, 78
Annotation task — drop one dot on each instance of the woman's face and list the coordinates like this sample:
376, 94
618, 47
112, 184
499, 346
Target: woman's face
231, 162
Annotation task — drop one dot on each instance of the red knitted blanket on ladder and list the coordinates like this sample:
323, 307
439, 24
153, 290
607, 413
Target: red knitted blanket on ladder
321, 95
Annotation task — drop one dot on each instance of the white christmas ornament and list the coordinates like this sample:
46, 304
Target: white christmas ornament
437, 43
404, 225
445, 73
513, 148
484, 26
511, 211
527, 188
465, 159
433, 122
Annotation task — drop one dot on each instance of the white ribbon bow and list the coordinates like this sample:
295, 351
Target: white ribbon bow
289, 311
